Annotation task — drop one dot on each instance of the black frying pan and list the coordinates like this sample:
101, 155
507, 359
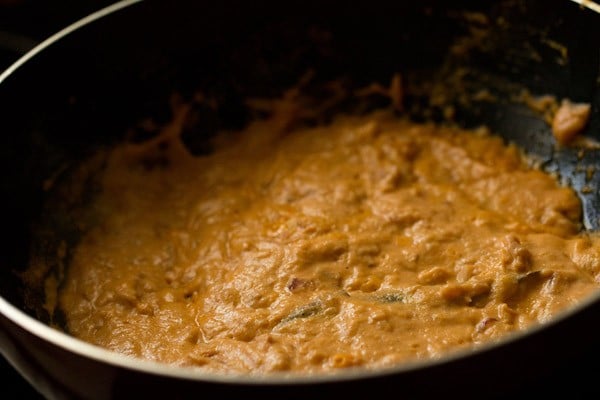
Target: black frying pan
85, 88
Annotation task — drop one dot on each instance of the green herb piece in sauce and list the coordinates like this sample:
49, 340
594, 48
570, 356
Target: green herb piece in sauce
306, 311
391, 298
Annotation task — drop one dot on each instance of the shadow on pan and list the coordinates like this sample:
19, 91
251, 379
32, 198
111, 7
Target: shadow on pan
471, 63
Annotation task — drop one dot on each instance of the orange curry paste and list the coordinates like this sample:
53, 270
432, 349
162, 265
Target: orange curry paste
369, 241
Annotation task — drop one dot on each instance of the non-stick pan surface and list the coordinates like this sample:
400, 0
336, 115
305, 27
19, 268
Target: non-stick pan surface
82, 91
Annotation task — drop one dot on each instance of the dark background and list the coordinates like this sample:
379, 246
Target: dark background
23, 23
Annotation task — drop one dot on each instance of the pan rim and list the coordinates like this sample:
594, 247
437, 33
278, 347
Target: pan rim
105, 356
65, 32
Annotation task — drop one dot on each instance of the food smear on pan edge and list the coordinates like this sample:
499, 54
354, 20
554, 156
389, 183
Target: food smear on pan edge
367, 242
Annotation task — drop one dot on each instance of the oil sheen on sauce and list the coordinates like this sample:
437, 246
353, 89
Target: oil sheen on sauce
369, 242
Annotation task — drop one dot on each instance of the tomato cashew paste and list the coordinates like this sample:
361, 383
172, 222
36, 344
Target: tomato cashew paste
365, 242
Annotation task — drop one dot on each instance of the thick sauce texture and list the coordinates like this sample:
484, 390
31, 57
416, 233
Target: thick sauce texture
368, 242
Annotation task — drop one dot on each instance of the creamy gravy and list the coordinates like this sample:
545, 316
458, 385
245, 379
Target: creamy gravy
367, 242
